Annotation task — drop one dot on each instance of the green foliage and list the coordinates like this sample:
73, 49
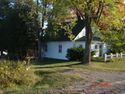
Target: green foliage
100, 12
115, 39
93, 53
61, 18
76, 53
15, 73
18, 27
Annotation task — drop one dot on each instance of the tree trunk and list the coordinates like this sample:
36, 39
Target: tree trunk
87, 52
40, 33
39, 49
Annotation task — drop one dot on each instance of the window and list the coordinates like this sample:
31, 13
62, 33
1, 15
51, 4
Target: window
96, 46
60, 48
46, 48
100, 46
80, 46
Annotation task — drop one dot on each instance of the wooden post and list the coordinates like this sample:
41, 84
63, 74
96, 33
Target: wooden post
116, 55
105, 57
111, 55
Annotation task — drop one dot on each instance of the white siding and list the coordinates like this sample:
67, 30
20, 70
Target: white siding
53, 48
104, 49
95, 47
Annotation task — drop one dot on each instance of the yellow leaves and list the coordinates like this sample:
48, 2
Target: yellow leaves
111, 15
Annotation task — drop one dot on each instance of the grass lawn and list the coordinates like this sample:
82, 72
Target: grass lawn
51, 74
55, 65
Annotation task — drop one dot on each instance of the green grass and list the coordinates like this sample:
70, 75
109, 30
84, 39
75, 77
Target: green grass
57, 65
103, 66
57, 80
54, 74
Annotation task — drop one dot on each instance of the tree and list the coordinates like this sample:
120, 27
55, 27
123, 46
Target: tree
102, 13
61, 21
114, 36
46, 10
18, 29
3, 6
42, 6
115, 39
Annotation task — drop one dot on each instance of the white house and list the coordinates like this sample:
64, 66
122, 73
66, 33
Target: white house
58, 49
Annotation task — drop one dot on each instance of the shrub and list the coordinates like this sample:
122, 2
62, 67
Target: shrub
93, 53
15, 73
76, 54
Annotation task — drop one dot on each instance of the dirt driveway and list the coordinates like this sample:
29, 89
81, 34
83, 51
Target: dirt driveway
97, 82
100, 82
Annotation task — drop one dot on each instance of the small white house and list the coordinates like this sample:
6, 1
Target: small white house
58, 49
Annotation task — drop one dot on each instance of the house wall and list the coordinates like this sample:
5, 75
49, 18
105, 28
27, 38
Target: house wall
104, 49
53, 48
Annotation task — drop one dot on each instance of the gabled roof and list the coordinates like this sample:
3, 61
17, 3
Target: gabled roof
84, 38
75, 31
62, 36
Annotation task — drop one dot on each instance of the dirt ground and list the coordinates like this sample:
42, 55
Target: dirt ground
97, 82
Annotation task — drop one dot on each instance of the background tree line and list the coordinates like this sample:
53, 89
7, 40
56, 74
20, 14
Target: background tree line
22, 22
17, 27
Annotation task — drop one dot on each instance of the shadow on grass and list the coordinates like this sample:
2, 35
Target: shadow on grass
54, 63
57, 66
41, 73
48, 61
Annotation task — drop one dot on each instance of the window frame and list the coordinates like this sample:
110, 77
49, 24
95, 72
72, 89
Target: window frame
60, 48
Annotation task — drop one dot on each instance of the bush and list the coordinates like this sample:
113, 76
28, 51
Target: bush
93, 53
76, 54
15, 73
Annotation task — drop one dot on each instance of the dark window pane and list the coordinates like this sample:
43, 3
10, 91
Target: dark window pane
60, 48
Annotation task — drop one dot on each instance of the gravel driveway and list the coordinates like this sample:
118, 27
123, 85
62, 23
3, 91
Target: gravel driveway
97, 82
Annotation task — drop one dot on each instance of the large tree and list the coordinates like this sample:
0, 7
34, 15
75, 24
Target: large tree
18, 27
100, 13
48, 12
43, 9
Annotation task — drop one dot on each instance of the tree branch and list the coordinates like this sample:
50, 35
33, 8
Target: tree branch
78, 12
99, 11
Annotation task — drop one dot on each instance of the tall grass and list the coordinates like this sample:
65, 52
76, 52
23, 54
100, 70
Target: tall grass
15, 73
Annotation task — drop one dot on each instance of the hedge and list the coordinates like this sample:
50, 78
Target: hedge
76, 54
